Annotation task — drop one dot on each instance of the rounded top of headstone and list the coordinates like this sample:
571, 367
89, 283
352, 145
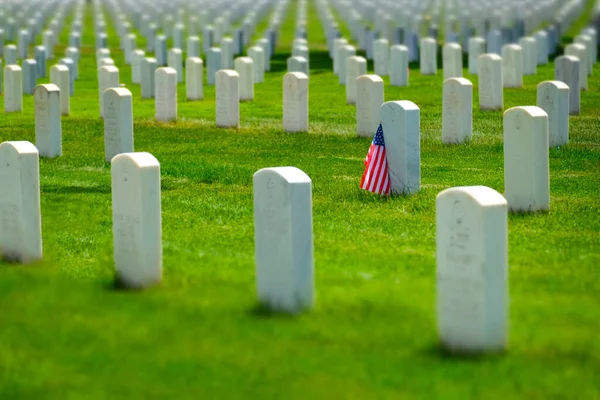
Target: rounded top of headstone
455, 46
370, 77
482, 195
490, 56
12, 67
404, 105
109, 68
228, 72
532, 111
399, 47
175, 50
194, 59
166, 71
288, 174
243, 60
295, 75
141, 159
48, 87
120, 91
512, 46
557, 84
567, 57
20, 147
458, 81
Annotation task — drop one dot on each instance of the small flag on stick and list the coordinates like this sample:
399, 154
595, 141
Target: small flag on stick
376, 178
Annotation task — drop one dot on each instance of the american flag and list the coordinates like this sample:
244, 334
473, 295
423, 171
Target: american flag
376, 178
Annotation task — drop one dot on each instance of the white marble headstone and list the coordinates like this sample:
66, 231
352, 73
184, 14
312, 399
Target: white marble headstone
553, 98
147, 69
118, 122
165, 94
400, 121
136, 215
369, 98
213, 64
381, 56
228, 98
355, 67
428, 56
580, 51
476, 49
244, 66
452, 61
13, 88
59, 75
567, 71
295, 102
529, 47
457, 111
512, 66
256, 53
136, 60
194, 78
108, 78
472, 269
398, 65
48, 128
283, 237
526, 170
175, 61
491, 96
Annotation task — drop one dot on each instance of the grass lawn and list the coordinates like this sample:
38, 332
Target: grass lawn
65, 333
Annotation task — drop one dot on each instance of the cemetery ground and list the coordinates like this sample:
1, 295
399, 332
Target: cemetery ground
65, 332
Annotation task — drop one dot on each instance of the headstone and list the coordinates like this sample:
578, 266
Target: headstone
147, 68
136, 61
553, 98
10, 54
399, 65
194, 77
48, 129
526, 171
257, 55
13, 88
337, 43
130, 46
118, 122
20, 216
529, 46
579, 51
48, 42
265, 45
29, 68
165, 80
355, 67
73, 54
23, 43
369, 98
193, 46
476, 49
208, 36
428, 59
457, 111
494, 42
567, 71
227, 53
381, 57
283, 239
472, 269
69, 64
452, 59
346, 51
175, 61
213, 64
137, 232
512, 66
59, 75
244, 66
491, 96
160, 50
400, 121
109, 78
591, 46
297, 64
542, 48
228, 99
39, 53
295, 102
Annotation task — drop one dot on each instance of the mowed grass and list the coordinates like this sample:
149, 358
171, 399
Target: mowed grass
65, 333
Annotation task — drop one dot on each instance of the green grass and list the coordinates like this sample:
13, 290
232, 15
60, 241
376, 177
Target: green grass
64, 333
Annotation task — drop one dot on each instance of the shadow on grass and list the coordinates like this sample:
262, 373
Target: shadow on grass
261, 310
439, 351
118, 284
61, 189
